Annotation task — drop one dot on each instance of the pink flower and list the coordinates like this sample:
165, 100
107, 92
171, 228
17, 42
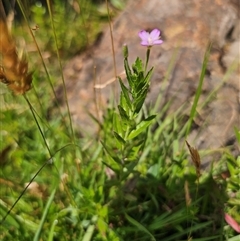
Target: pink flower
150, 39
232, 222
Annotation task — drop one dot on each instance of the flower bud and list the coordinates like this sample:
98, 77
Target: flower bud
125, 51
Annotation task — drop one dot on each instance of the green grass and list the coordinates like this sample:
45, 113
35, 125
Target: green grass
134, 181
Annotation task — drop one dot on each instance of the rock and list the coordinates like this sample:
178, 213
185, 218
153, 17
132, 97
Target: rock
187, 28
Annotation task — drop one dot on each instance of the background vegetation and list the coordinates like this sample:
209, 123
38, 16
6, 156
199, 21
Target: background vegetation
134, 181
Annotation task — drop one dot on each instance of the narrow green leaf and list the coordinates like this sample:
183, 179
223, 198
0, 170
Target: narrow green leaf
139, 83
130, 167
117, 125
111, 167
128, 72
237, 134
236, 238
169, 218
176, 236
119, 138
138, 65
142, 126
44, 216
139, 226
140, 86
111, 153
216, 237
123, 113
52, 229
102, 226
148, 76
125, 92
139, 101
199, 90
232, 166
135, 150
89, 233
123, 103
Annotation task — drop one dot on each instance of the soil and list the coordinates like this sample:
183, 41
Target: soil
187, 27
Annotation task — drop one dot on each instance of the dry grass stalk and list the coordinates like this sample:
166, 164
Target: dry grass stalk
187, 194
13, 70
195, 159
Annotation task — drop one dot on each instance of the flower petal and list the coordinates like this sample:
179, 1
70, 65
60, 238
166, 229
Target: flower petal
143, 35
155, 34
157, 42
232, 222
145, 43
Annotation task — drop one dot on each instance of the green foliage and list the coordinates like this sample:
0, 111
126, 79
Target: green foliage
136, 183
129, 126
76, 25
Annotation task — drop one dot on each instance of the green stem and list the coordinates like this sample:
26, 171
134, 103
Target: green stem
147, 58
61, 71
39, 128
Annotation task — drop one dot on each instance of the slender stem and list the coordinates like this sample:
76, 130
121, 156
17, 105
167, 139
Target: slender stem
39, 128
24, 190
113, 50
61, 71
49, 161
20, 4
147, 58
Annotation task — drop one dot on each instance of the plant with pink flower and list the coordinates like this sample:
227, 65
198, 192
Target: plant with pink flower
150, 39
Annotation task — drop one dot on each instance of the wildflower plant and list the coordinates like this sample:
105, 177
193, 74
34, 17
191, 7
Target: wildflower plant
129, 124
